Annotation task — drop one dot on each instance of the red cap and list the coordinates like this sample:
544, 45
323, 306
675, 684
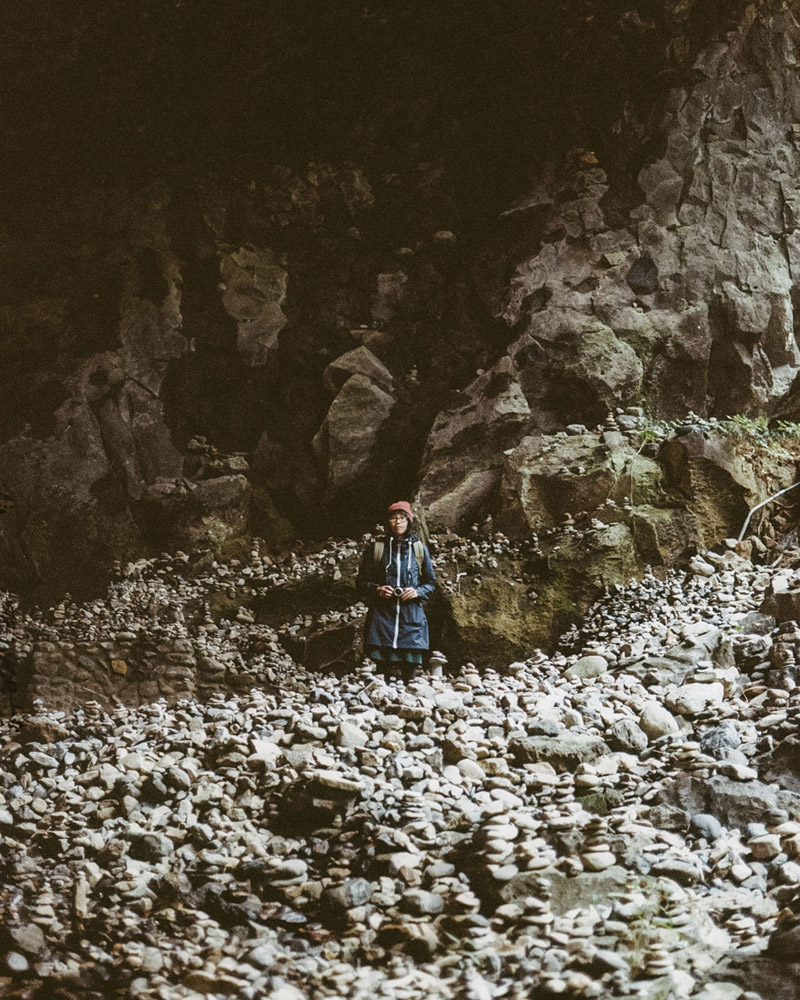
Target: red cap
405, 507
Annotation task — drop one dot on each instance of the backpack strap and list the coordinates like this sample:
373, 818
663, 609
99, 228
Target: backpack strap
380, 548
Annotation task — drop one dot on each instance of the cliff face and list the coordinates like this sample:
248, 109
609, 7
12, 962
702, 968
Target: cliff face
253, 259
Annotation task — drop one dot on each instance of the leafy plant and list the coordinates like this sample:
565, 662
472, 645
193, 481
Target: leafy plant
742, 427
738, 427
787, 429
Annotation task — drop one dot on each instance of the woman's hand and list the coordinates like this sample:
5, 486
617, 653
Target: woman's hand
408, 594
385, 591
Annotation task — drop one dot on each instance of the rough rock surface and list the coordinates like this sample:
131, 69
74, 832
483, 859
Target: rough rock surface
465, 277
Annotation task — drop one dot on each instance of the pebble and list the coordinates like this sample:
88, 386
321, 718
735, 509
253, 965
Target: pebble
656, 721
16, 963
706, 826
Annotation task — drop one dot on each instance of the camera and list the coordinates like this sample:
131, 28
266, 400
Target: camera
398, 591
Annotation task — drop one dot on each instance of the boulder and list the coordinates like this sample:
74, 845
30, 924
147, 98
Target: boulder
326, 647
492, 621
586, 372
692, 699
349, 735
462, 460
347, 442
545, 479
627, 736
494, 618
210, 512
41, 730
783, 607
253, 292
782, 765
733, 803
359, 361
568, 893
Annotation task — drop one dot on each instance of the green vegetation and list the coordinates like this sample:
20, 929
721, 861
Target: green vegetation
760, 431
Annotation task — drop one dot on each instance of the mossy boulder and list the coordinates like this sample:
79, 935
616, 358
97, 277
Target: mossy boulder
266, 520
548, 477
664, 536
495, 618
491, 622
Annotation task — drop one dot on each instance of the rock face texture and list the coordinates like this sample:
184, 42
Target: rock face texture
238, 301
682, 302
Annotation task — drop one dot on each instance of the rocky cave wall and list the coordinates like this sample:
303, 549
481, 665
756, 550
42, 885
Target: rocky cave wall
253, 259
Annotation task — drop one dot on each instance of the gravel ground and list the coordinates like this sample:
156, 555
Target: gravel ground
619, 819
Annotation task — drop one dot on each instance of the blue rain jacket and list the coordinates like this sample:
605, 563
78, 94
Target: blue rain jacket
392, 623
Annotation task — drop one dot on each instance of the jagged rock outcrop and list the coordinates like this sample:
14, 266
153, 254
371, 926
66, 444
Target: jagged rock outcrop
685, 302
326, 322
593, 510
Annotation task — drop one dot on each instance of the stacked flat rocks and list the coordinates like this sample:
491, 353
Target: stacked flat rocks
619, 819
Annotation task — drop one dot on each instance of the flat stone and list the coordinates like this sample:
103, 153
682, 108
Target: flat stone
440, 869
289, 870
598, 861
211, 982
43, 759
404, 859
505, 873
28, 938
719, 991
564, 751
471, 770
588, 666
737, 771
337, 781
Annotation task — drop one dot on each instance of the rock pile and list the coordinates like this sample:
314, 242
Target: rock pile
619, 819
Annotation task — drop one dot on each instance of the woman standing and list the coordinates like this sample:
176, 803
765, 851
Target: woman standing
397, 575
